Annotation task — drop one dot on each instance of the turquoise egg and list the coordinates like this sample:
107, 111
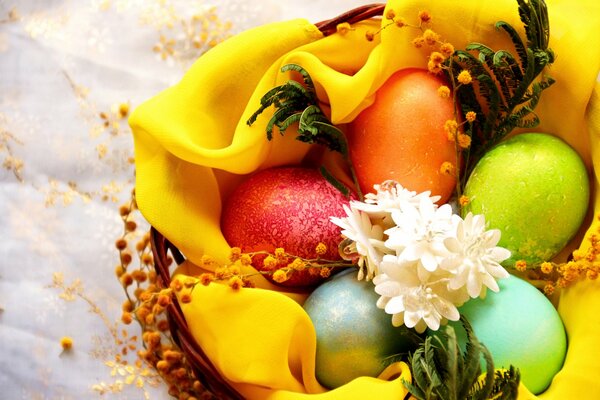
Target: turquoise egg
533, 187
354, 337
519, 326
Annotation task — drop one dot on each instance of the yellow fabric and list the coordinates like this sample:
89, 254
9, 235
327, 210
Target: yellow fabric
192, 147
265, 345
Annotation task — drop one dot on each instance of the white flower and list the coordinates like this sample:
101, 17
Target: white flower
424, 261
367, 239
475, 259
410, 300
420, 232
391, 195
366, 222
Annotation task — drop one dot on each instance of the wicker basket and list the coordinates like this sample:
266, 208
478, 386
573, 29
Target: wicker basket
205, 371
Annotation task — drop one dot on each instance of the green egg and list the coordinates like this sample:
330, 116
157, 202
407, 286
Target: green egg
535, 189
354, 337
520, 327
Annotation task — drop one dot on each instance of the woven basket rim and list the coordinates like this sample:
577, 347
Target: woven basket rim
204, 369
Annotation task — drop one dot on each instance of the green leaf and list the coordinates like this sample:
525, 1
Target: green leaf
297, 102
298, 91
516, 40
507, 87
334, 182
506, 384
442, 371
485, 389
425, 375
452, 365
472, 367
434, 364
305, 77
292, 119
525, 15
279, 115
333, 137
414, 390
485, 53
488, 384
490, 91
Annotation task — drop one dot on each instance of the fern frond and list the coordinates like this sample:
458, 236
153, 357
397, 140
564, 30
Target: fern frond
333, 181
297, 102
414, 390
308, 82
485, 53
292, 119
516, 41
505, 60
279, 115
488, 381
488, 89
452, 370
525, 16
508, 87
472, 367
506, 384
441, 371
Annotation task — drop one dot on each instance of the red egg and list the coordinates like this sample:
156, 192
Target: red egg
285, 207
401, 135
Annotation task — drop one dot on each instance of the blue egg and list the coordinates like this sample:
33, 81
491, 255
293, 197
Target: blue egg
519, 326
354, 337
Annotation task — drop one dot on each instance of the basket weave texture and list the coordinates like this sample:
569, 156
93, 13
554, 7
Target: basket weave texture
203, 368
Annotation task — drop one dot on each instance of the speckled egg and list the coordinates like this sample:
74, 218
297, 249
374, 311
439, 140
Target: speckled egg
534, 188
354, 337
519, 326
401, 135
285, 207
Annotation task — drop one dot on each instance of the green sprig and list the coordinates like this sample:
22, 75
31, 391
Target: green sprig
509, 87
442, 371
296, 102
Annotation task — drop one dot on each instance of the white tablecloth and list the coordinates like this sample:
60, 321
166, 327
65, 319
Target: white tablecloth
65, 68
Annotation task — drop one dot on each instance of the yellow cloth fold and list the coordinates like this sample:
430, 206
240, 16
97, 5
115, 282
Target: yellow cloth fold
192, 146
267, 350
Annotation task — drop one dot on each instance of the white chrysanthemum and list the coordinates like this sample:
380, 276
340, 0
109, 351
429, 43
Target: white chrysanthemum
391, 195
411, 301
424, 261
420, 232
367, 240
474, 259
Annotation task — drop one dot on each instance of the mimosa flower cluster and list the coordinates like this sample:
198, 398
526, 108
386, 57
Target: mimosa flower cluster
424, 260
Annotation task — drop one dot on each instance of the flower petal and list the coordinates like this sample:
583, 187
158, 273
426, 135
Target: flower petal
395, 305
411, 318
429, 261
445, 308
500, 254
491, 283
398, 319
474, 284
432, 321
388, 288
382, 302
452, 245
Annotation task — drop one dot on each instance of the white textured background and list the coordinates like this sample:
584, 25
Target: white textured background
64, 174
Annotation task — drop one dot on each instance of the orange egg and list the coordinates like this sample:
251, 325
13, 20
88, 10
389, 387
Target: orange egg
401, 136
